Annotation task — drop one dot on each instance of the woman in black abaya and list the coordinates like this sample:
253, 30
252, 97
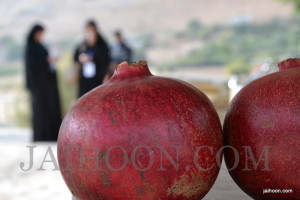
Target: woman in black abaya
42, 84
93, 58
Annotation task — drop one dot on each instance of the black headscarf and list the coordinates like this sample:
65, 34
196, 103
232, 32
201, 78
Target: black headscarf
92, 23
36, 59
36, 28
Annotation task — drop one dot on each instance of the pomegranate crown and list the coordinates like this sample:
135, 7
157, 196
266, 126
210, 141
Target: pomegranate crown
129, 70
289, 63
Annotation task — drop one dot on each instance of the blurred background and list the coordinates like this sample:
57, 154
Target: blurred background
218, 46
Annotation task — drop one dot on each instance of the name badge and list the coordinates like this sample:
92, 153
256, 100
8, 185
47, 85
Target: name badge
89, 70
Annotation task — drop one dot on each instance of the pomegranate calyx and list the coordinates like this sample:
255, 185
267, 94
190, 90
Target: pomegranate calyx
129, 70
289, 63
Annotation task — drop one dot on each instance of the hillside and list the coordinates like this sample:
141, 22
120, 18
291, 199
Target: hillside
64, 19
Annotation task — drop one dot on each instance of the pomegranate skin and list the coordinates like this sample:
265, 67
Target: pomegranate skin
138, 117
265, 117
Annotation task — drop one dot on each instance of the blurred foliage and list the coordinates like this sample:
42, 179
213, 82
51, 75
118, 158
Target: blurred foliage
11, 50
143, 42
9, 70
193, 28
235, 45
295, 2
238, 67
68, 91
22, 117
15, 97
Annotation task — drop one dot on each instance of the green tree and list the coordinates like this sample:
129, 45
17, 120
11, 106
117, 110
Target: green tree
194, 25
238, 66
193, 29
295, 2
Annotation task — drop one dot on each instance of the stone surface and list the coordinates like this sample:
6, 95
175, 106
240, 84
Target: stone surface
48, 184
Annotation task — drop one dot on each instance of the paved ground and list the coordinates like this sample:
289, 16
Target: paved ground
16, 184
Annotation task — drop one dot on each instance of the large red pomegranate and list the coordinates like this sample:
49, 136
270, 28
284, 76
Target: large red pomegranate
139, 137
262, 129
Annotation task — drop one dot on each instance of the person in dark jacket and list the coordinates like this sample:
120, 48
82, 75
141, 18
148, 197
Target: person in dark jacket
93, 58
42, 84
120, 50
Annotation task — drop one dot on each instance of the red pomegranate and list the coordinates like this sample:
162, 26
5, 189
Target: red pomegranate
138, 137
262, 131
